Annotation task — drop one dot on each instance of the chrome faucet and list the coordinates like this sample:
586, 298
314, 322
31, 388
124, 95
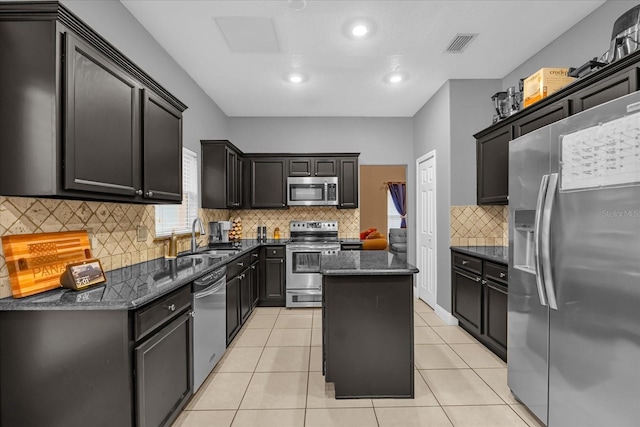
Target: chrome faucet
194, 244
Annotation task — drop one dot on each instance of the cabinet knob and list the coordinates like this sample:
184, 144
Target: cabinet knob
477, 279
171, 307
281, 261
484, 282
139, 192
149, 194
465, 262
253, 267
502, 274
255, 255
283, 205
241, 264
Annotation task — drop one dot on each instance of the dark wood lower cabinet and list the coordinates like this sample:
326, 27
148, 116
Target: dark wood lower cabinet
479, 300
233, 308
255, 281
246, 305
272, 284
164, 373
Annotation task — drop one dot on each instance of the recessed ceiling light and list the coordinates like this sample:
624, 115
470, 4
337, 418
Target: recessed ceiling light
359, 30
396, 77
295, 78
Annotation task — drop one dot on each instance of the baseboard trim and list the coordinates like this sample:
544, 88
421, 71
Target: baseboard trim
447, 317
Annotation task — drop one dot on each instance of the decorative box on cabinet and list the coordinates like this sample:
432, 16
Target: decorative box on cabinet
91, 140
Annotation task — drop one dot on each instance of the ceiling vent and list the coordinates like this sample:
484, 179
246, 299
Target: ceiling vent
460, 43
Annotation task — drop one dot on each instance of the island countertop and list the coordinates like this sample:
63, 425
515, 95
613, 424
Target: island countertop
364, 263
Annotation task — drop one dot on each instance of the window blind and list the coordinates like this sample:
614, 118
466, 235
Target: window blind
179, 218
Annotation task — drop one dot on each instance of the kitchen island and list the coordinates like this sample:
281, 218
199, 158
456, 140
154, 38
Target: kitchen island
367, 324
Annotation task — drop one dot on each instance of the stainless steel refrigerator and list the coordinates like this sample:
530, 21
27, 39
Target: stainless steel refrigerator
574, 268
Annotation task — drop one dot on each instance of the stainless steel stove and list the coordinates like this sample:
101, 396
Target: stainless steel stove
308, 240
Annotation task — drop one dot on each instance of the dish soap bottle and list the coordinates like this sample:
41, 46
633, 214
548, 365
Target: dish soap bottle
276, 233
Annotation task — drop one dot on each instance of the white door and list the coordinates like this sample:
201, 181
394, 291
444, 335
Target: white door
426, 223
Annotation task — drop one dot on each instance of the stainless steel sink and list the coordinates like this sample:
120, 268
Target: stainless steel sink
223, 252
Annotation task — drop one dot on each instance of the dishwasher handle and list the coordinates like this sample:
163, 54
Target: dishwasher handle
215, 287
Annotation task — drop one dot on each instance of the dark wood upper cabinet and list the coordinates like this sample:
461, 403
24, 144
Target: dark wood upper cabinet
313, 166
99, 128
493, 166
222, 173
605, 90
544, 116
268, 183
348, 183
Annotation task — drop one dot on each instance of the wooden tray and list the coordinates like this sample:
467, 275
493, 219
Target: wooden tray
36, 261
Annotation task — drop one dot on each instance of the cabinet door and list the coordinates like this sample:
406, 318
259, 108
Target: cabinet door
325, 167
274, 290
234, 179
495, 312
101, 124
233, 308
544, 116
164, 373
300, 167
467, 299
246, 305
268, 183
162, 149
493, 167
606, 90
255, 279
348, 183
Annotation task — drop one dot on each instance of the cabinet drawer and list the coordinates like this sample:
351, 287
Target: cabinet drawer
274, 252
156, 314
237, 265
467, 263
496, 272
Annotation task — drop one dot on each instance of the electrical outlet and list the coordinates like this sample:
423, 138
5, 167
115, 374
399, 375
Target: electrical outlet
142, 233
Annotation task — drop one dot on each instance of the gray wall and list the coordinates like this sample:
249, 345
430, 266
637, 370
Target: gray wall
432, 131
384, 141
587, 39
471, 111
203, 119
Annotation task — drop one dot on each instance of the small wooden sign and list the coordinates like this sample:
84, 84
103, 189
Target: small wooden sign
37, 261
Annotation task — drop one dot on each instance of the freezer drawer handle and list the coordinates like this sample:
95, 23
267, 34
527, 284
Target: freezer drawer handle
546, 241
536, 238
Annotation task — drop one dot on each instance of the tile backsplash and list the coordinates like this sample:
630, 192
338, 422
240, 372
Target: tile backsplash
113, 227
479, 225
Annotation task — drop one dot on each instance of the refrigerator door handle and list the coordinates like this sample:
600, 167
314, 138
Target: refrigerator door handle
536, 238
546, 241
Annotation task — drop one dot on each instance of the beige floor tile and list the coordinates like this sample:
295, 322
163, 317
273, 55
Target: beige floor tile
294, 321
297, 311
266, 310
423, 396
316, 336
421, 306
497, 380
284, 359
269, 418
252, 338
315, 361
204, 419
222, 390
426, 335
484, 416
478, 356
341, 417
459, 387
317, 320
454, 335
418, 321
432, 319
412, 417
276, 390
261, 321
437, 356
527, 416
239, 359
289, 338
322, 394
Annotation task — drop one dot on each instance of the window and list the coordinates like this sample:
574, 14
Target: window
179, 218
394, 219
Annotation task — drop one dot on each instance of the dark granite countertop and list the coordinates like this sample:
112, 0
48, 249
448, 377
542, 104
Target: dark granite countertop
498, 254
131, 287
360, 263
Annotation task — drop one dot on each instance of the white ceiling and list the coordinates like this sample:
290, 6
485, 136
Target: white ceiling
240, 51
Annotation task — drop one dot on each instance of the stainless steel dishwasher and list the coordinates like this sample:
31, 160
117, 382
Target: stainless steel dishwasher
209, 329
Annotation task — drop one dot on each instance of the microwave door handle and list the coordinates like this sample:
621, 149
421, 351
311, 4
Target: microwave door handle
546, 241
326, 192
536, 238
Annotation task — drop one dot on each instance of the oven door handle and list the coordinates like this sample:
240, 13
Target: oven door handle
312, 248
313, 291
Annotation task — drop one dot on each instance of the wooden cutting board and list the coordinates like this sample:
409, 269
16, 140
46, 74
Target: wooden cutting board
36, 261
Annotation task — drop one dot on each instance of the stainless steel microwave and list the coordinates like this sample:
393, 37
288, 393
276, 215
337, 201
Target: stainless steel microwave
312, 191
